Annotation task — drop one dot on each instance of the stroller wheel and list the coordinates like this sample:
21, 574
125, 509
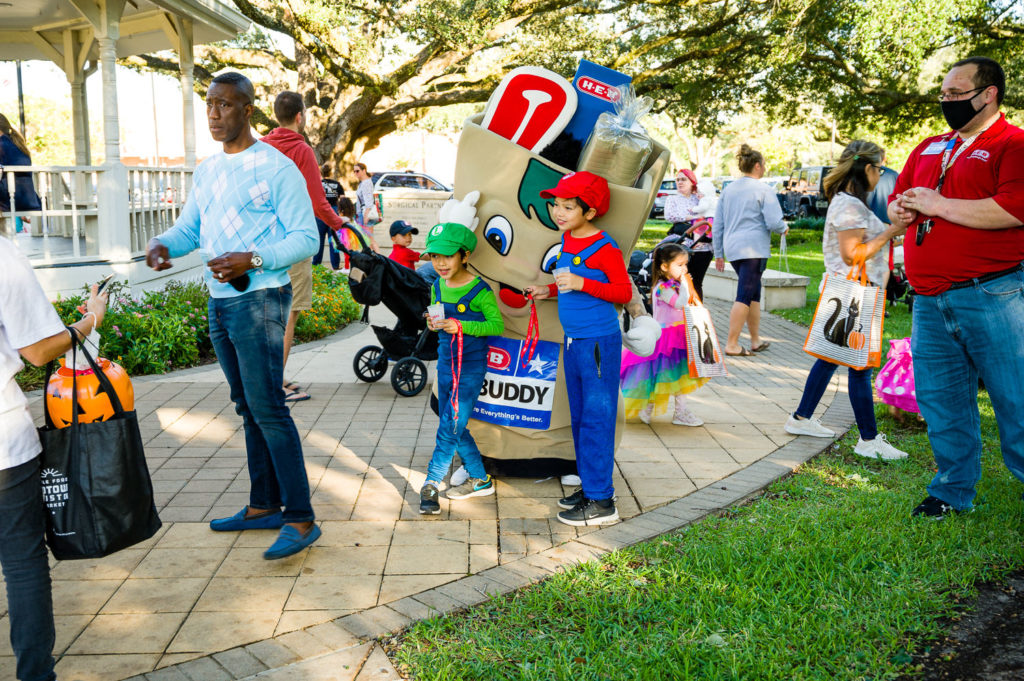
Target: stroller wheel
409, 376
370, 363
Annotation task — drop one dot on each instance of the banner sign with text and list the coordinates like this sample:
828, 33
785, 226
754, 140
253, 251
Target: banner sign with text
514, 394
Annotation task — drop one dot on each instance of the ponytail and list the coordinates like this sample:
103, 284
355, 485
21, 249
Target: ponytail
850, 173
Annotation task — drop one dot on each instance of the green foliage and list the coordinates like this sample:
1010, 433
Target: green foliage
165, 330
808, 223
825, 577
333, 306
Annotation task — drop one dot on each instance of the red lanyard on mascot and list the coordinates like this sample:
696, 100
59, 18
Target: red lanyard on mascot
456, 372
532, 334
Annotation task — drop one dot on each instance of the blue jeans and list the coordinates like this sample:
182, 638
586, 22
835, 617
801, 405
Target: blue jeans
248, 336
453, 436
591, 367
862, 399
26, 571
959, 335
324, 229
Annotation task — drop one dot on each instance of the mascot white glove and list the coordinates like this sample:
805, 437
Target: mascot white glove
642, 336
461, 212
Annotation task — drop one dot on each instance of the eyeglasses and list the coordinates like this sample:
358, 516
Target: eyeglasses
956, 96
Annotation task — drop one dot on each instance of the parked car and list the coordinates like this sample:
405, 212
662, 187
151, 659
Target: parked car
658, 209
804, 193
407, 180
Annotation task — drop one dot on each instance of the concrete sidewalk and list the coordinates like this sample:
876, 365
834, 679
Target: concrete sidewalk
195, 604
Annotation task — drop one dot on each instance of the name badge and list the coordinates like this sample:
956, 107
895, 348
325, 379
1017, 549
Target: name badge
934, 148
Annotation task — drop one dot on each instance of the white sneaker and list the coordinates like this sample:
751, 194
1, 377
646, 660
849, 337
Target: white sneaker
812, 427
646, 413
460, 476
571, 480
685, 417
879, 448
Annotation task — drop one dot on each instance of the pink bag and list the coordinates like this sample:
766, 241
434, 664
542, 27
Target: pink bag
895, 381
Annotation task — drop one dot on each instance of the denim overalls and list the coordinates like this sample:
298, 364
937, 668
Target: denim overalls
591, 360
454, 436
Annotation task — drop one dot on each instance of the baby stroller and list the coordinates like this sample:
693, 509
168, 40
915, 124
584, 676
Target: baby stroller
898, 289
376, 279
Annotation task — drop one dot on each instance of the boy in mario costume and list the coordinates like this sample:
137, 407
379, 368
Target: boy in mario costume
590, 279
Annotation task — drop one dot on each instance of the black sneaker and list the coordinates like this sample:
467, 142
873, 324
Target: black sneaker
590, 512
933, 507
428, 500
570, 501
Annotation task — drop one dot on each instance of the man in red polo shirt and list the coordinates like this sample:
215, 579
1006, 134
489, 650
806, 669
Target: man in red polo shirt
961, 195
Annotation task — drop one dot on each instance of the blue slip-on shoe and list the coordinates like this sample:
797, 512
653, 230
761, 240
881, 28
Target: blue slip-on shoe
291, 541
272, 520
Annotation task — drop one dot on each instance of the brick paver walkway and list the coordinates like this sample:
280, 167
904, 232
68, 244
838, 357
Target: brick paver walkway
194, 604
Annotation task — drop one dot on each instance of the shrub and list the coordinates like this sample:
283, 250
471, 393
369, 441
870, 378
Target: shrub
168, 329
808, 223
333, 306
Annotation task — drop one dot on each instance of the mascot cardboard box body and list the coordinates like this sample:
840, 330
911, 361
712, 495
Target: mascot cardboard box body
521, 422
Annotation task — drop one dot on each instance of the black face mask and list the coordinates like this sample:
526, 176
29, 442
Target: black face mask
960, 113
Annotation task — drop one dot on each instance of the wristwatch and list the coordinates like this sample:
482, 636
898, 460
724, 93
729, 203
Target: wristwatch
257, 261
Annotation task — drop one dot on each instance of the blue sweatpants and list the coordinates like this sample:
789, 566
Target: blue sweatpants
591, 367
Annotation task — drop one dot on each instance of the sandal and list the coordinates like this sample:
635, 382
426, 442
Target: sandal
291, 386
295, 396
760, 348
742, 353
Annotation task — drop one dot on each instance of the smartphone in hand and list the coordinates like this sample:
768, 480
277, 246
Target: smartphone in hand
103, 282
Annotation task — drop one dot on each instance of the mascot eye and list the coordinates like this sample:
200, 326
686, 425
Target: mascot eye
547, 263
498, 234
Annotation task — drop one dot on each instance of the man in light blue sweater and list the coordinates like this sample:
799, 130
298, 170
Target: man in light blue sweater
251, 218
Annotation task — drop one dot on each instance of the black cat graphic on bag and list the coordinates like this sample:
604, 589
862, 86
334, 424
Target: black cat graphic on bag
705, 344
836, 330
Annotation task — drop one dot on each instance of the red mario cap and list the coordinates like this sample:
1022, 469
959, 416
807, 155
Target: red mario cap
590, 188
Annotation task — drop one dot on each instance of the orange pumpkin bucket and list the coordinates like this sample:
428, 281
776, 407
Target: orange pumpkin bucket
93, 403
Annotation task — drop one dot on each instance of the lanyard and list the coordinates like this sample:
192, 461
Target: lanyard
925, 227
456, 374
532, 334
948, 162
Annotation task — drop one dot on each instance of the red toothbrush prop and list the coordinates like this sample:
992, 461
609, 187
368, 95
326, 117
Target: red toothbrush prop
530, 107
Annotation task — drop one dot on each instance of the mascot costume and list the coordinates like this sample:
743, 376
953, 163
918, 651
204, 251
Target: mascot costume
530, 135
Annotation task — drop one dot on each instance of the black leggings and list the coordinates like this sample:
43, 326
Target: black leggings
698, 267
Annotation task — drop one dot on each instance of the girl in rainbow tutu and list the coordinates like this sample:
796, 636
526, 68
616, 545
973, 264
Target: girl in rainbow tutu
648, 382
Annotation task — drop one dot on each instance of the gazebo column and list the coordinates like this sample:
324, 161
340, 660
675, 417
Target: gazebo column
108, 74
80, 120
186, 62
114, 194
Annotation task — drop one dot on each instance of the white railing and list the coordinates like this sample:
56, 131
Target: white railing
71, 225
65, 225
157, 195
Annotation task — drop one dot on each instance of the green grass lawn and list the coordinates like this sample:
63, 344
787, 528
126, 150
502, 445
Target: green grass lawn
825, 577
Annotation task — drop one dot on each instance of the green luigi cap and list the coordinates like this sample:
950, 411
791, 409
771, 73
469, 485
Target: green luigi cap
448, 238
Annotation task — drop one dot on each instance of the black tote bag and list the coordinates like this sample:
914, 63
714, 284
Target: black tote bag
96, 483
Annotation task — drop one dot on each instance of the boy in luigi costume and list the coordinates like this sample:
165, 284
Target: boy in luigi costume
471, 317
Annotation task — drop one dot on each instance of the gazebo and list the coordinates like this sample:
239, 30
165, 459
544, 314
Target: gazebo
98, 218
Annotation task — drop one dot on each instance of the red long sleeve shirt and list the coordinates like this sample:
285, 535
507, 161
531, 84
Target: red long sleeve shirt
294, 146
619, 289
